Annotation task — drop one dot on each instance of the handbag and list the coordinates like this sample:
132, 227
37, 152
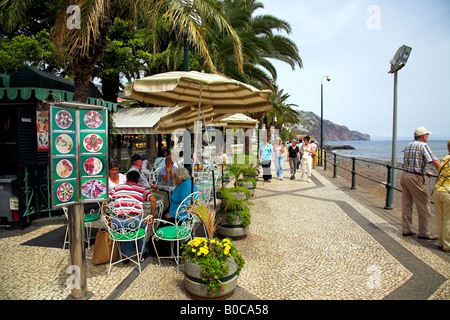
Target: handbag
102, 248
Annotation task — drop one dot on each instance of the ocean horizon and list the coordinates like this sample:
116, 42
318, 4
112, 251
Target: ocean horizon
382, 149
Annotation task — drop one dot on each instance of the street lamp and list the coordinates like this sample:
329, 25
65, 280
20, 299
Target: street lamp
398, 62
321, 119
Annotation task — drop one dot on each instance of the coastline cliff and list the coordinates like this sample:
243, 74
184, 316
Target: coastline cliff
310, 124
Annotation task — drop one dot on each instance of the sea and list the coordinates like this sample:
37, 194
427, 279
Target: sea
382, 149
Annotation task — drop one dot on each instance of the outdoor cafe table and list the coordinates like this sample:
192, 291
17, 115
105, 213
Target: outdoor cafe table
167, 186
162, 197
159, 201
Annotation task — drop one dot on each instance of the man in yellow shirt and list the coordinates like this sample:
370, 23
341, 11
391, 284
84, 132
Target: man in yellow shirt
441, 197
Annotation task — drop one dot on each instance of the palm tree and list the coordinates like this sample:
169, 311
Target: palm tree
282, 112
84, 44
260, 44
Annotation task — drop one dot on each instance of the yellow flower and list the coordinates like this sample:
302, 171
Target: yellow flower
203, 250
226, 251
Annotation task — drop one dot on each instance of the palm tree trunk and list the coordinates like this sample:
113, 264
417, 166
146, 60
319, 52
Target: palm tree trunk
82, 70
83, 65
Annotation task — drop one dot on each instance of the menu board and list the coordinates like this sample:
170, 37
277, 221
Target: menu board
78, 135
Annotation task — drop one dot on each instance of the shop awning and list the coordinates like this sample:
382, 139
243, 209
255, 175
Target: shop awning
138, 120
43, 93
30, 83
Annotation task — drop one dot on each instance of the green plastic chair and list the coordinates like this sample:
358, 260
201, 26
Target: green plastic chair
126, 222
176, 232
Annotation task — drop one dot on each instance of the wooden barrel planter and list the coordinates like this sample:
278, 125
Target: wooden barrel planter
199, 290
231, 229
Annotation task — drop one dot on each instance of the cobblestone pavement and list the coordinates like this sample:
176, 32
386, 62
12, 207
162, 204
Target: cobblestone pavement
314, 241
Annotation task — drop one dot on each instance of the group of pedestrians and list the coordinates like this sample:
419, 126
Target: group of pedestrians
303, 156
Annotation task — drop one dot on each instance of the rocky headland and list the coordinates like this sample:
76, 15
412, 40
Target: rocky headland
310, 125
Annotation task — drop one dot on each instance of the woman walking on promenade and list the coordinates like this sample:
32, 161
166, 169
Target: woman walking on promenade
294, 158
441, 197
307, 151
279, 157
265, 156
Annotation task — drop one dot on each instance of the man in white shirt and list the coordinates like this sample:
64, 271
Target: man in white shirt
136, 165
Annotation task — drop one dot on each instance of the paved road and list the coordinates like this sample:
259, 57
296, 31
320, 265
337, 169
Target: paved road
307, 241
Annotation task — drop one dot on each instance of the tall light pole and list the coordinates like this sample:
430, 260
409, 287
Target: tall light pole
321, 119
398, 62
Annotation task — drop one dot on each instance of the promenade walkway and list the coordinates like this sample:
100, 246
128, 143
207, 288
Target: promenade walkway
314, 241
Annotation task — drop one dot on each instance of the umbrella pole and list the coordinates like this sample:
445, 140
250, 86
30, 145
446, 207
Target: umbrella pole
213, 188
195, 140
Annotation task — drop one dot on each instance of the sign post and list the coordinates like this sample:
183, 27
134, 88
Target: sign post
78, 174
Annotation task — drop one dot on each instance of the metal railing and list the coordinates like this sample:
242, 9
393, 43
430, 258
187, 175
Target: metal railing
390, 184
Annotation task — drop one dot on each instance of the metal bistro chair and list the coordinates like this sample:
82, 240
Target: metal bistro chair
156, 175
157, 216
89, 218
178, 231
204, 185
126, 222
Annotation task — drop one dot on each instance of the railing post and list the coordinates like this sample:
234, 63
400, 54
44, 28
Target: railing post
353, 173
334, 166
325, 162
389, 189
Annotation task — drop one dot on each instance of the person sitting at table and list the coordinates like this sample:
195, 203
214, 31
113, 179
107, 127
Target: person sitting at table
182, 190
159, 162
136, 165
145, 165
132, 189
180, 162
114, 177
166, 173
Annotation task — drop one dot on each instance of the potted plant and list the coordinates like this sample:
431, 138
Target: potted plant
250, 172
240, 186
211, 266
234, 214
248, 183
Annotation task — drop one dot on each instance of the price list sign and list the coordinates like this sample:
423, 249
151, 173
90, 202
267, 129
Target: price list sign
78, 153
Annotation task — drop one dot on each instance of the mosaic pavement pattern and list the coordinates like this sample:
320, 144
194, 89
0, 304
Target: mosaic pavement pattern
307, 241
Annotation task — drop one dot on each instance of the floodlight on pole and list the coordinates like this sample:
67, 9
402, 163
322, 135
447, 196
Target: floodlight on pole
400, 58
398, 62
321, 119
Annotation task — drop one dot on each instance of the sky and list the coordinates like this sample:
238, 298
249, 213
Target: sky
353, 42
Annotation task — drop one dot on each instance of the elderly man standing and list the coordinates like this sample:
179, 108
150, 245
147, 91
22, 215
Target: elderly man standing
417, 155
136, 165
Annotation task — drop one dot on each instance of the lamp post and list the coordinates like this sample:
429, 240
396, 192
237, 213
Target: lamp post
398, 62
321, 119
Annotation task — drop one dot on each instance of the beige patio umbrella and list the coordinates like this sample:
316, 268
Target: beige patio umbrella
193, 94
192, 88
237, 120
185, 117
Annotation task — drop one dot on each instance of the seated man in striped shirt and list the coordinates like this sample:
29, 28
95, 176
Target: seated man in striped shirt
132, 189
